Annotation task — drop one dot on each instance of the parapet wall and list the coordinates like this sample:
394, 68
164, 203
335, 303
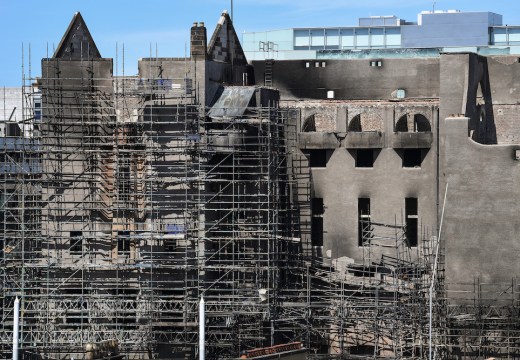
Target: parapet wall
481, 214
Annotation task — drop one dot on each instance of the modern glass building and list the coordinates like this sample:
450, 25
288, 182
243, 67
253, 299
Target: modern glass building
452, 30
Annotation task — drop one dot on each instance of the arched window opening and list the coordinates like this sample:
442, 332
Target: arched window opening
355, 124
402, 124
309, 125
367, 121
421, 123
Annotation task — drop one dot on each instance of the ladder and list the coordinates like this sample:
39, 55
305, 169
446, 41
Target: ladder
268, 74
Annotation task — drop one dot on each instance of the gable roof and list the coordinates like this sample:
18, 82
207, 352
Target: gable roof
77, 43
224, 44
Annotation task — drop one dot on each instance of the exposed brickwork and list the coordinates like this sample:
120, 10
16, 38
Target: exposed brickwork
371, 118
409, 113
327, 116
225, 45
507, 124
198, 41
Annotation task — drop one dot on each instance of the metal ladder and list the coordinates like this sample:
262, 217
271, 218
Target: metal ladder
268, 74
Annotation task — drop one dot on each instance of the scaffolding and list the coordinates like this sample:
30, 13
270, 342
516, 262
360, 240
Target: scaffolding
374, 309
484, 322
124, 201
128, 203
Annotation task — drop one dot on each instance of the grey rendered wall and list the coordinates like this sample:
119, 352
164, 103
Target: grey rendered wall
387, 184
481, 223
504, 77
353, 79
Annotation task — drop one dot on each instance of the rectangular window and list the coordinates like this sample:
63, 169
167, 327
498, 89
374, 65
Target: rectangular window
347, 38
123, 242
317, 206
364, 158
411, 215
317, 231
499, 36
412, 158
301, 38
317, 221
317, 158
377, 37
393, 37
124, 179
76, 242
317, 38
332, 38
513, 36
362, 38
364, 226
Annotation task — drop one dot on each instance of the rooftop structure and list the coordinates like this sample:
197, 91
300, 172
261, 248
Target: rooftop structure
450, 30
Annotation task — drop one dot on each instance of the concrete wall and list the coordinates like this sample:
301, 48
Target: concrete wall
486, 90
387, 183
504, 78
353, 79
481, 225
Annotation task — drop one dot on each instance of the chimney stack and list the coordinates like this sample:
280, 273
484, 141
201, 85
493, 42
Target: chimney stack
198, 41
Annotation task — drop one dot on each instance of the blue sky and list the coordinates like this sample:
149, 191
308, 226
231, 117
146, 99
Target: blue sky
141, 25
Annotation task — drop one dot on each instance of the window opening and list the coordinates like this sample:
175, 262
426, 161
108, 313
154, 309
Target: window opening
412, 158
421, 123
318, 158
364, 225
317, 210
411, 215
76, 242
123, 241
364, 158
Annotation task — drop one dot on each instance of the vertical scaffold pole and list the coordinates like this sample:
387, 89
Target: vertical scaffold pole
202, 335
16, 319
